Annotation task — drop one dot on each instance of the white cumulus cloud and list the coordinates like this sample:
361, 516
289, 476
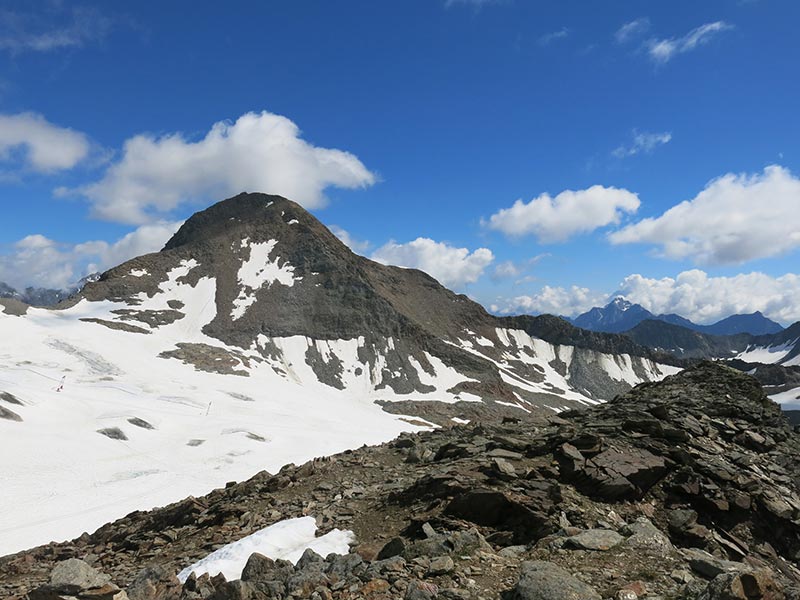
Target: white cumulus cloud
42, 262
31, 140
735, 219
643, 142
567, 214
451, 266
552, 300
663, 50
260, 152
693, 294
704, 299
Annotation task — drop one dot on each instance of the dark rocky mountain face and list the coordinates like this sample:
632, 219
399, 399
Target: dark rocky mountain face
754, 324
279, 273
687, 343
686, 488
617, 316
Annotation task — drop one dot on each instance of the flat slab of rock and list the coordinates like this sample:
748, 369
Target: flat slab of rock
540, 580
595, 539
708, 565
614, 474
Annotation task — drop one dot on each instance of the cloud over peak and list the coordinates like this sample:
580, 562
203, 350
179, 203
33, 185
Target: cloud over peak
693, 294
704, 299
261, 152
572, 212
451, 266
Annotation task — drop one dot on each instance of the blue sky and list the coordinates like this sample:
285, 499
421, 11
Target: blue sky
415, 127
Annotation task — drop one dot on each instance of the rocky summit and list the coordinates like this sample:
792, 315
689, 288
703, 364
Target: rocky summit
277, 273
686, 488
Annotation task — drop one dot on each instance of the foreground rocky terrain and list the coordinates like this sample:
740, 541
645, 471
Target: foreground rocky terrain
687, 488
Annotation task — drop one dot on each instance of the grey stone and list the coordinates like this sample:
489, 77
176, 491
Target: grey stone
647, 537
428, 530
440, 565
420, 590
74, 575
258, 568
504, 468
594, 539
540, 580
760, 584
708, 565
309, 557
344, 565
154, 583
394, 547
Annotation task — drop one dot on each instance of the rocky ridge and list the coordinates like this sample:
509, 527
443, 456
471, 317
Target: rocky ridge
687, 488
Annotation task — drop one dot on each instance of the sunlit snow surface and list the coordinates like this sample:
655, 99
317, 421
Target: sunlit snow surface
286, 539
60, 477
770, 354
259, 271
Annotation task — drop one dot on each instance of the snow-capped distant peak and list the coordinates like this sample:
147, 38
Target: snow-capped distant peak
621, 304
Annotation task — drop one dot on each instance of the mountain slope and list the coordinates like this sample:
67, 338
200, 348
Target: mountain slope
686, 343
253, 339
754, 324
782, 348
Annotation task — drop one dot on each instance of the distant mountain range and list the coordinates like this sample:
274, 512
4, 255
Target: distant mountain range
774, 358
620, 315
45, 296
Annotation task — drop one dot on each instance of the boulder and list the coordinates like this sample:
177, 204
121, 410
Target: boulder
540, 580
73, 576
154, 583
707, 565
594, 539
614, 474
646, 537
752, 585
440, 565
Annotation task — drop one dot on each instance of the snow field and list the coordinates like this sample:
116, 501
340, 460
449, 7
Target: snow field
286, 540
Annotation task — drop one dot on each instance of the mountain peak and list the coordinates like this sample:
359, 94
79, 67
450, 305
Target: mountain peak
242, 215
620, 303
